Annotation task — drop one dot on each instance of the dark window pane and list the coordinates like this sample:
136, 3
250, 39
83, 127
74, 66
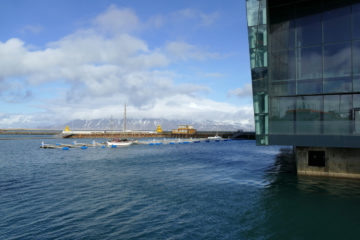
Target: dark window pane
308, 114
356, 84
308, 31
283, 115
308, 23
337, 25
356, 100
282, 88
258, 73
337, 114
309, 63
356, 21
282, 65
356, 58
309, 86
282, 28
337, 60
337, 84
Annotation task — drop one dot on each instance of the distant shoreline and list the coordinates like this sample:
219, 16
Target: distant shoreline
29, 132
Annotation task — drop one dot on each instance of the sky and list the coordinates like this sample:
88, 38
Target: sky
62, 60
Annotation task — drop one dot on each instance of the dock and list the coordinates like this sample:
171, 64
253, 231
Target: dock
164, 134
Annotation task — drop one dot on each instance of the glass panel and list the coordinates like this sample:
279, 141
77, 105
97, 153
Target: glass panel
309, 63
357, 121
282, 88
252, 36
337, 68
308, 115
260, 103
309, 86
337, 114
258, 57
337, 25
257, 36
252, 7
283, 115
356, 100
337, 84
261, 36
308, 31
337, 60
282, 65
356, 21
356, 57
262, 12
282, 28
308, 23
356, 84
258, 73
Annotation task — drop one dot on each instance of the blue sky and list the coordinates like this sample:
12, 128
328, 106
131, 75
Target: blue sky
65, 60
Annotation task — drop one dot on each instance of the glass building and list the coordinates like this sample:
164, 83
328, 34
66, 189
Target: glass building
305, 67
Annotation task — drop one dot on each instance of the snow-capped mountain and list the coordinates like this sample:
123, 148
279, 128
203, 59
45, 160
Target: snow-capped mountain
151, 124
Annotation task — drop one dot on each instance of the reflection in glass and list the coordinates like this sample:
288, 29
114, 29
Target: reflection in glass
283, 65
258, 73
283, 115
356, 21
337, 84
337, 24
309, 86
258, 57
282, 88
356, 100
282, 28
252, 9
308, 114
257, 36
337, 114
337, 68
356, 57
308, 30
309, 63
356, 84
337, 60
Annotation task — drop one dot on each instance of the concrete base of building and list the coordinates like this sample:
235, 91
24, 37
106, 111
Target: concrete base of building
329, 162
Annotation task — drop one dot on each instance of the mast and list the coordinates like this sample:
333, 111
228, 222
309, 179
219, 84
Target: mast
125, 117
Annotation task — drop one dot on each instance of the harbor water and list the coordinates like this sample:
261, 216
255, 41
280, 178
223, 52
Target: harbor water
216, 190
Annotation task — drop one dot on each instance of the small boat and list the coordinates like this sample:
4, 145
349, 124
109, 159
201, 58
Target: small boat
216, 137
119, 143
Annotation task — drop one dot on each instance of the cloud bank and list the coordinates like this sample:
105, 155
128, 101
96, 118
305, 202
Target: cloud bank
100, 68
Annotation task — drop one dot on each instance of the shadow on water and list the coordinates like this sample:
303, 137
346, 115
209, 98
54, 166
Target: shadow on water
306, 207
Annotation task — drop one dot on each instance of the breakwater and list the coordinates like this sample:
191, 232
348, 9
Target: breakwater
165, 134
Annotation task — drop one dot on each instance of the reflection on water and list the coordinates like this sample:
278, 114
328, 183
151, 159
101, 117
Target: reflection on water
308, 207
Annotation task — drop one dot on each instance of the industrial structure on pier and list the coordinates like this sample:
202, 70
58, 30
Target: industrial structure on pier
305, 68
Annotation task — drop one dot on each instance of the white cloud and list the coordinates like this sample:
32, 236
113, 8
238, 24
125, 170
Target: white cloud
185, 51
102, 71
245, 91
35, 29
203, 19
116, 20
213, 75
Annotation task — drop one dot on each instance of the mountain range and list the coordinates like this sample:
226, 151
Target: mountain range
150, 124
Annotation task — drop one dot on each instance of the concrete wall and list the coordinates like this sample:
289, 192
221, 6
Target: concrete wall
339, 162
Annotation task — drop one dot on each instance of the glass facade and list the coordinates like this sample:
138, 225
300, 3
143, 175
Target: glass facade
258, 44
305, 63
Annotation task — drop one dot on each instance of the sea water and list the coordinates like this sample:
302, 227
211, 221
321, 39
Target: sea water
224, 190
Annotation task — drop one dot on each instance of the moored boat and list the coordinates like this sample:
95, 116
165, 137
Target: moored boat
119, 142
